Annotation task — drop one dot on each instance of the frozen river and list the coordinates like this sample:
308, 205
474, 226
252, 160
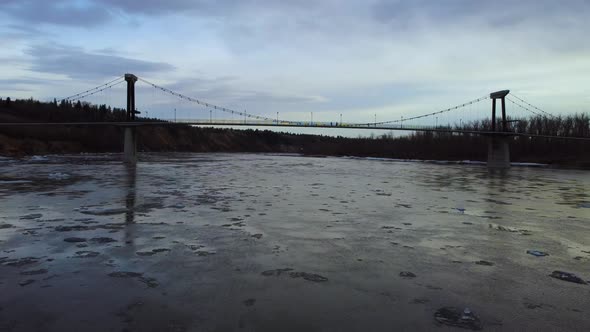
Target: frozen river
254, 242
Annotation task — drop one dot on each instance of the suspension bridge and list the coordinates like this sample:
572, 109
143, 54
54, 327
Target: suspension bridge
499, 128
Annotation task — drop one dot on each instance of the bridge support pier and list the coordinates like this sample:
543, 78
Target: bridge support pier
130, 138
130, 145
498, 152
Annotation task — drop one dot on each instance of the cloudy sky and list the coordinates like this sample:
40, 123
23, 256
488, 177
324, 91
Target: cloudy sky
356, 58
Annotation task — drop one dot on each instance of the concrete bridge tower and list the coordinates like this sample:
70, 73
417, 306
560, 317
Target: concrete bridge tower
130, 138
498, 149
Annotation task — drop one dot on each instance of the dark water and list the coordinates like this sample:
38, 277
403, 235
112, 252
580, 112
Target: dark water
249, 242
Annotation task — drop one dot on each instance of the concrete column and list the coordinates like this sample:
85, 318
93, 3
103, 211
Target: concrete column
131, 79
130, 145
493, 114
130, 138
504, 123
498, 152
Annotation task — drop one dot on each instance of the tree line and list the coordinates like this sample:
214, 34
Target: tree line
63, 111
417, 145
575, 125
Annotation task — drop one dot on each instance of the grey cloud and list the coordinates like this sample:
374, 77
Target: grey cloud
21, 84
496, 13
92, 13
79, 64
250, 25
158, 7
12, 61
20, 31
311, 14
402, 11
97, 12
58, 12
516, 26
224, 8
23, 81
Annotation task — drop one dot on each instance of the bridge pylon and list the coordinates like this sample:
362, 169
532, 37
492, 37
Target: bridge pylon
131, 79
130, 136
498, 148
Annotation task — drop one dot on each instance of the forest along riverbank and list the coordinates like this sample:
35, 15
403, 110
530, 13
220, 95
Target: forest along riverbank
424, 146
266, 242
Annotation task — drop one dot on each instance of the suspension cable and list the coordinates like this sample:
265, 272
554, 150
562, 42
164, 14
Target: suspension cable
533, 106
209, 105
524, 107
426, 115
97, 91
89, 90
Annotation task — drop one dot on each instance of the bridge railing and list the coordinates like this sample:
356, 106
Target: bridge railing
322, 124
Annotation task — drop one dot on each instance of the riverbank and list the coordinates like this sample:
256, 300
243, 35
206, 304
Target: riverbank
28, 141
